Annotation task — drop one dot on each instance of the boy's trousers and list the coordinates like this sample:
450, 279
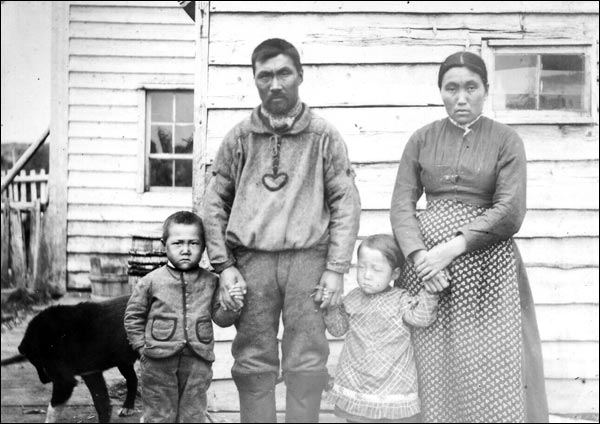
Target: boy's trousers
174, 388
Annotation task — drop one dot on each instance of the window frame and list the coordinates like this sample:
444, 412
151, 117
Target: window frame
144, 129
491, 47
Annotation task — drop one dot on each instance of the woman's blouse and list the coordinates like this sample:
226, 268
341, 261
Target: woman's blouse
483, 165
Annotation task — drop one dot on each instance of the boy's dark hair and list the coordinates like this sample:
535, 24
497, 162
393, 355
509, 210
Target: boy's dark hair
274, 47
185, 218
386, 244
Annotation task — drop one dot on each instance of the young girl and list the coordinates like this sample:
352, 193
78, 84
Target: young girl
376, 377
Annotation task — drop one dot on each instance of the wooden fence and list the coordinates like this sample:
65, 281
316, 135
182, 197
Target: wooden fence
23, 205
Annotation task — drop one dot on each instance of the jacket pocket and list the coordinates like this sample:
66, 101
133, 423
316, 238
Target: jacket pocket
204, 331
163, 328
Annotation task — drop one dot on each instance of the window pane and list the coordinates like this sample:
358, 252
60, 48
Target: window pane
161, 172
183, 173
516, 76
184, 138
562, 81
185, 107
161, 139
162, 106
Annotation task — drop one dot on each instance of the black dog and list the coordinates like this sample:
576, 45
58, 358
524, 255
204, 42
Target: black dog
84, 339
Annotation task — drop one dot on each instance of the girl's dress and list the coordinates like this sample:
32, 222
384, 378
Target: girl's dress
481, 360
376, 376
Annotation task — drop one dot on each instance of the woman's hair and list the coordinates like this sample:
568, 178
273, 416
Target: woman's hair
386, 244
274, 47
468, 60
185, 218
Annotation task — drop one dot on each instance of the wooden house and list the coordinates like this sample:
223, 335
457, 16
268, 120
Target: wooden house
124, 75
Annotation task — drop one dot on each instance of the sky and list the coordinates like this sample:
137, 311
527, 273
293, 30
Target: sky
26, 34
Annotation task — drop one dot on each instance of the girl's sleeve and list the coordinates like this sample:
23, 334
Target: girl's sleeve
505, 217
336, 321
419, 310
407, 191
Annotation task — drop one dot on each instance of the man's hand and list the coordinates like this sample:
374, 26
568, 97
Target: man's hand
231, 277
330, 289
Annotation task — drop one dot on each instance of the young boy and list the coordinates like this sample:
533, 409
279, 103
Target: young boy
168, 320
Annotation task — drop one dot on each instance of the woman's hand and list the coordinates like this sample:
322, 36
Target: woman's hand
429, 263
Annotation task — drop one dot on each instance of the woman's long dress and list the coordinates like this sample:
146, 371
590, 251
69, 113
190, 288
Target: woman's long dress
481, 360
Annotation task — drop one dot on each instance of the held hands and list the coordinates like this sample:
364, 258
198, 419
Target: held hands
437, 283
232, 288
330, 289
431, 262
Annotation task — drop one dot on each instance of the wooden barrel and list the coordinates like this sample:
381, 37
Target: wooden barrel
107, 281
147, 253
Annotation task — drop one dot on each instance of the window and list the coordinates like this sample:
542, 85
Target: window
547, 82
169, 135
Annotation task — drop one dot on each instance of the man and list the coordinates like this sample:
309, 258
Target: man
281, 218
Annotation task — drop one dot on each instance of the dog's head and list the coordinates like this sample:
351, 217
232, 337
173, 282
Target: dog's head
37, 344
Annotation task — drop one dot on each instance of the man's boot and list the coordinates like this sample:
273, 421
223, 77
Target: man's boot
303, 397
257, 397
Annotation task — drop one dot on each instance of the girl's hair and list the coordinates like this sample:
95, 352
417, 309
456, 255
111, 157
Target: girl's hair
185, 218
386, 244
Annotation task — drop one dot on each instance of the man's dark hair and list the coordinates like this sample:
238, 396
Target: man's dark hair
274, 47
185, 218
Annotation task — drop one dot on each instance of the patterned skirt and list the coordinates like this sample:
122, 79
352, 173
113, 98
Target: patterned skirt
470, 360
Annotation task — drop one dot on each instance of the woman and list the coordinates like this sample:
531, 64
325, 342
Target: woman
481, 360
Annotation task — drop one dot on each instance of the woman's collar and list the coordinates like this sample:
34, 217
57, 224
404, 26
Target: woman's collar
467, 127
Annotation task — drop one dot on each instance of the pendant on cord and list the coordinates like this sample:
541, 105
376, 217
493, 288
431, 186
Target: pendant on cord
276, 180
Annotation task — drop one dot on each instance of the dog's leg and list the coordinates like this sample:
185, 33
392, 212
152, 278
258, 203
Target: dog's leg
132, 382
95, 382
61, 392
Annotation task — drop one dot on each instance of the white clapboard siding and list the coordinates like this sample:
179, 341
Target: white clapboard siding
110, 80
135, 15
103, 97
104, 146
103, 163
373, 37
132, 48
109, 113
379, 134
102, 179
156, 65
171, 198
120, 213
433, 8
129, 31
113, 228
100, 130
